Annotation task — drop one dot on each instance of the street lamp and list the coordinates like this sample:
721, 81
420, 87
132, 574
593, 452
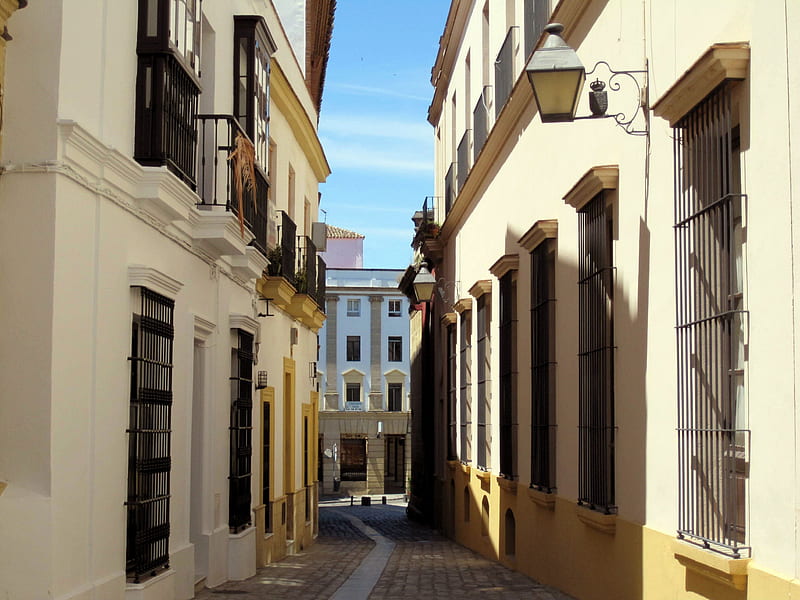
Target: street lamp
424, 284
557, 75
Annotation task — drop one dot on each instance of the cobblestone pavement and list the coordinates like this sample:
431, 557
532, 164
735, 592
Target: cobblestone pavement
423, 564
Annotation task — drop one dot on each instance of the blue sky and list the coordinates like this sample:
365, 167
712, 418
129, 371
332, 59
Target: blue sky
373, 122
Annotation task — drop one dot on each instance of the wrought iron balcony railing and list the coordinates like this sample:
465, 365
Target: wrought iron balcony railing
215, 179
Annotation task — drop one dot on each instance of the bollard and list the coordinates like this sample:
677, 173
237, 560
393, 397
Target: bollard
351, 500
383, 499
366, 501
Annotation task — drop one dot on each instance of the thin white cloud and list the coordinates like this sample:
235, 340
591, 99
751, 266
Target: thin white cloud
381, 158
365, 90
376, 126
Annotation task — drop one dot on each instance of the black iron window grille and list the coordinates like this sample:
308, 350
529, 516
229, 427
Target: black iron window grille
465, 385
484, 383
713, 439
463, 154
537, 14
266, 464
395, 403
452, 394
353, 348
306, 468
354, 459
395, 348
508, 396
322, 270
504, 75
167, 85
450, 188
480, 123
596, 430
215, 180
543, 364
241, 430
149, 436
288, 253
305, 275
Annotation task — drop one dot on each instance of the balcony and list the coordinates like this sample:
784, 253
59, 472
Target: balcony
217, 190
463, 155
504, 73
427, 227
450, 190
480, 120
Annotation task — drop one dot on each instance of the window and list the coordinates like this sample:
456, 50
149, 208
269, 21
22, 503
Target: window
240, 431
504, 72
354, 459
508, 404
395, 397
167, 85
253, 47
395, 348
265, 463
537, 13
465, 385
711, 321
149, 460
353, 392
395, 307
452, 393
596, 355
484, 383
353, 307
353, 348
543, 308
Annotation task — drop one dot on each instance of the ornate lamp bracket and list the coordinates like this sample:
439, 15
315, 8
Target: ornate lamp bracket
631, 112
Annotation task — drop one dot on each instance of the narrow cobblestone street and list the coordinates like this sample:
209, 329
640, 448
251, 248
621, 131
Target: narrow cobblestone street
421, 564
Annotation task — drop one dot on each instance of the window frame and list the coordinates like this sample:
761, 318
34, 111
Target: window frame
398, 312
353, 348
354, 307
394, 404
241, 430
395, 348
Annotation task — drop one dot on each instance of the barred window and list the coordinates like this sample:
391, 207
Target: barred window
465, 385
265, 462
508, 396
713, 440
543, 308
241, 431
353, 459
452, 392
484, 383
596, 355
149, 435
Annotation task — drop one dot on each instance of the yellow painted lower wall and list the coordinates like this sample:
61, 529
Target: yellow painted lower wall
607, 559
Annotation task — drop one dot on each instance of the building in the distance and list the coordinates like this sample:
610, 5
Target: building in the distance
364, 368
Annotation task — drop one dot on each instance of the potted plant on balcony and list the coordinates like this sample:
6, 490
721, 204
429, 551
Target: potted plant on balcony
430, 229
243, 160
275, 258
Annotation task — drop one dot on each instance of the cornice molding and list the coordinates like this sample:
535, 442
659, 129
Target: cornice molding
289, 104
596, 179
718, 63
140, 275
539, 232
6, 8
463, 305
449, 318
504, 264
480, 288
246, 322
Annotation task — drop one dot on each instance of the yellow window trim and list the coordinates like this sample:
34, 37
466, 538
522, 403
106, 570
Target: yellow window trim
504, 264
594, 181
538, 233
718, 63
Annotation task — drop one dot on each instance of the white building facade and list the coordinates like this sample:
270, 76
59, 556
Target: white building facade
364, 359
138, 433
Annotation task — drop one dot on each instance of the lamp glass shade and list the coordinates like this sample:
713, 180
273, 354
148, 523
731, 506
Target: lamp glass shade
557, 93
424, 284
